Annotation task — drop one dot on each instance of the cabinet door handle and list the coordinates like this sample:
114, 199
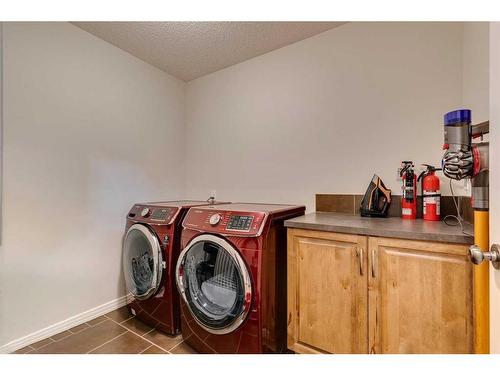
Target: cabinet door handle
374, 263
361, 260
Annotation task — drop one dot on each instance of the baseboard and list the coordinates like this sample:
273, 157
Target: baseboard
64, 325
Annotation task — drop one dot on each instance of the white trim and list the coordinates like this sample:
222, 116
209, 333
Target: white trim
64, 325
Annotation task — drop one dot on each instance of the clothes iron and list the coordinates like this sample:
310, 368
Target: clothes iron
376, 200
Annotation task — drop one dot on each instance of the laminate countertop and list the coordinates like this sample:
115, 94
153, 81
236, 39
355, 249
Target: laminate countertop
394, 227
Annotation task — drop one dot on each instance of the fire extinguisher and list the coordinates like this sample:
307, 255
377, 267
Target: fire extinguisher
431, 195
409, 198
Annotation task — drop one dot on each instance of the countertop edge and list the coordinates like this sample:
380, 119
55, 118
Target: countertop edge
462, 239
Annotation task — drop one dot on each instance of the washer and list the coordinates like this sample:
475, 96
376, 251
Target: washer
231, 275
151, 246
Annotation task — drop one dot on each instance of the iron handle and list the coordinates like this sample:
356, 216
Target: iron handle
361, 260
374, 266
477, 256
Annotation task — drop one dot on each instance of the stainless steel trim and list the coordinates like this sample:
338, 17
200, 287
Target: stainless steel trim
247, 284
157, 258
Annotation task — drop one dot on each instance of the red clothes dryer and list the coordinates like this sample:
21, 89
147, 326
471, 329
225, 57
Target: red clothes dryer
151, 246
231, 275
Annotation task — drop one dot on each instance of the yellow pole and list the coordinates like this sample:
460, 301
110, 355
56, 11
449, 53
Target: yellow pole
481, 286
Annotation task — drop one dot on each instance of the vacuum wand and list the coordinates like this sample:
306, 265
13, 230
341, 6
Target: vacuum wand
464, 159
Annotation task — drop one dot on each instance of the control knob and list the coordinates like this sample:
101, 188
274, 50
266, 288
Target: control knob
215, 219
145, 212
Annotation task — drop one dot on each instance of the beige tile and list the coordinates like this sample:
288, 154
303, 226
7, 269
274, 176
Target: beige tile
79, 328
61, 335
85, 340
41, 343
119, 315
137, 326
154, 350
24, 350
97, 320
128, 343
183, 348
163, 340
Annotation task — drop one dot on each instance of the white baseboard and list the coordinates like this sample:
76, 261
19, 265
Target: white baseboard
64, 325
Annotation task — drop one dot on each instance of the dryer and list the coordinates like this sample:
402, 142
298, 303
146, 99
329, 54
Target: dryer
151, 246
231, 275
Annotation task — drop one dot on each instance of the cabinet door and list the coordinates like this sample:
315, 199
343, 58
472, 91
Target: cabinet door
420, 297
327, 292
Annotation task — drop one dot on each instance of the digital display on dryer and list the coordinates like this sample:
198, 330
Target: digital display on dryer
238, 222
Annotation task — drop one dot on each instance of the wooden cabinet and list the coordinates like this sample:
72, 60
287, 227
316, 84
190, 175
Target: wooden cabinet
420, 297
358, 294
327, 296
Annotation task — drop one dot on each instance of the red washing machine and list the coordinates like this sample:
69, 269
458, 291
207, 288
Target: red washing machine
231, 275
151, 247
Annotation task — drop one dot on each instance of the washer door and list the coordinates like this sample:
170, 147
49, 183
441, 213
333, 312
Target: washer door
215, 284
142, 261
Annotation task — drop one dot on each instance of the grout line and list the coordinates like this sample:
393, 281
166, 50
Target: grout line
142, 337
72, 333
99, 323
97, 347
123, 321
84, 329
43, 346
65, 337
146, 349
150, 346
172, 348
148, 332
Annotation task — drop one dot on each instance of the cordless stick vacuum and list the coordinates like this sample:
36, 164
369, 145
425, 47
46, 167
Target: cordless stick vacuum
464, 159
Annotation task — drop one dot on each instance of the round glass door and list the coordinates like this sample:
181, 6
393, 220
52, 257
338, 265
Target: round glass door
142, 261
214, 282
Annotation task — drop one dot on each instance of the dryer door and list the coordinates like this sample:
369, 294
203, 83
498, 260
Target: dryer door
215, 283
142, 261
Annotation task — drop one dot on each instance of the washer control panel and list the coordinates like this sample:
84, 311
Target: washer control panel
151, 214
225, 222
160, 214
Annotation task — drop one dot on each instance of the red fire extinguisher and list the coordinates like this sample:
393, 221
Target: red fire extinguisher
431, 195
409, 198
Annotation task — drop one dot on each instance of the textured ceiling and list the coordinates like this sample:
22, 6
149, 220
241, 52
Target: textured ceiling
189, 50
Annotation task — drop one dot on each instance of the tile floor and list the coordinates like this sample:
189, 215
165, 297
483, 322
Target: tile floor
114, 333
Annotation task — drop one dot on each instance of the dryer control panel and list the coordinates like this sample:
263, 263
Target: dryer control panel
229, 223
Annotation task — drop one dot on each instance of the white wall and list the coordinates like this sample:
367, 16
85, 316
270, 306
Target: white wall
494, 181
476, 70
88, 131
324, 114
